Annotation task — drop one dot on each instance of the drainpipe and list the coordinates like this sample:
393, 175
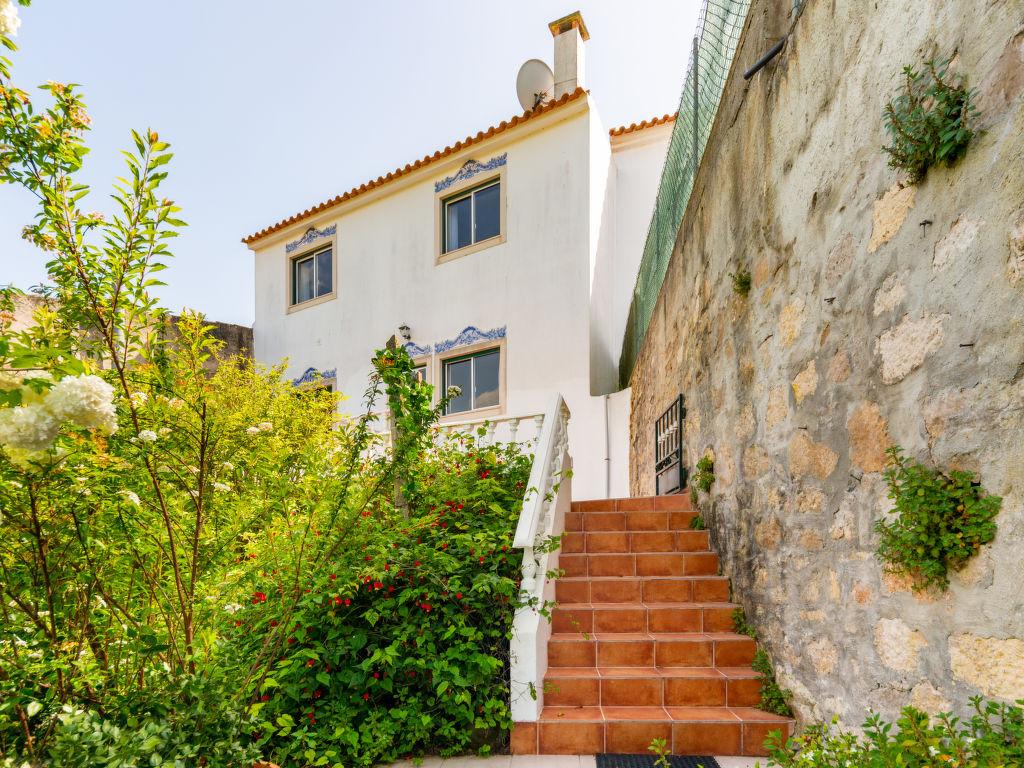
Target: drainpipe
607, 454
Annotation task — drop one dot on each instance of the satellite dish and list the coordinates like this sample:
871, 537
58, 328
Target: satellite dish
534, 84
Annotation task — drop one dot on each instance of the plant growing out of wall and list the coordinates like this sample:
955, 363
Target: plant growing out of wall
697, 523
928, 120
941, 521
705, 474
740, 282
773, 698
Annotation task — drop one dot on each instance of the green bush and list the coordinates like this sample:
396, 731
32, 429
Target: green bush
697, 523
992, 738
941, 521
928, 121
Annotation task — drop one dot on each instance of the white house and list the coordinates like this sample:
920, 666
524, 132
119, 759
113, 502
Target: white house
507, 260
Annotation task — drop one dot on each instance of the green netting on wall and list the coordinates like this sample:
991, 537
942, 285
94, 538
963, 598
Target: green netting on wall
718, 32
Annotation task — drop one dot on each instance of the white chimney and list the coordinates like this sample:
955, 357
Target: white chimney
570, 33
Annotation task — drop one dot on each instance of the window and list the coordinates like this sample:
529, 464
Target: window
419, 374
313, 275
478, 376
472, 216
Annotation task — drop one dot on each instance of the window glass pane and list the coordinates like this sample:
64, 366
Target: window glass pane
485, 380
488, 213
459, 224
303, 280
458, 374
324, 282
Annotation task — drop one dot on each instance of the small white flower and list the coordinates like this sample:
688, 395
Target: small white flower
227, 465
148, 435
221, 487
177, 402
131, 496
252, 431
163, 468
232, 607
164, 431
139, 398
193, 470
266, 426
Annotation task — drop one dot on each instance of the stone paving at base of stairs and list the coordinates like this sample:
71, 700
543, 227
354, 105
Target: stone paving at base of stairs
546, 761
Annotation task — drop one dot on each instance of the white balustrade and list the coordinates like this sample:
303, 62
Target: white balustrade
548, 497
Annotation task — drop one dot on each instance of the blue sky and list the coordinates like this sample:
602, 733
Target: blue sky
273, 107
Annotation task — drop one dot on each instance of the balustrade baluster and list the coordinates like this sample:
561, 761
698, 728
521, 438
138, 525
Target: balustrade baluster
513, 428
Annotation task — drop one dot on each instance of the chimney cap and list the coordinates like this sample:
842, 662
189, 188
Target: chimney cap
564, 24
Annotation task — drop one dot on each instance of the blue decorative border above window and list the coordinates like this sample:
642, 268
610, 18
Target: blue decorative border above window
415, 351
470, 335
470, 169
311, 234
312, 376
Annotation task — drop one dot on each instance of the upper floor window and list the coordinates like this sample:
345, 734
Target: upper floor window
471, 216
312, 275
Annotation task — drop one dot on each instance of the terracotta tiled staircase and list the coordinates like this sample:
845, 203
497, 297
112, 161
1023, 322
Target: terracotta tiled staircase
642, 645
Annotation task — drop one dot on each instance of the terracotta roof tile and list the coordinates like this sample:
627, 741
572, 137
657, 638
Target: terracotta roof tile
397, 173
623, 129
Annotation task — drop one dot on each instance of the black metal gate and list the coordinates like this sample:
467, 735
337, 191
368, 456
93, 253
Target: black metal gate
669, 473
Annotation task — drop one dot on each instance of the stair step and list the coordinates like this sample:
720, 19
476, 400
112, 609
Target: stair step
627, 542
629, 730
647, 589
642, 649
675, 503
642, 617
652, 686
644, 564
629, 521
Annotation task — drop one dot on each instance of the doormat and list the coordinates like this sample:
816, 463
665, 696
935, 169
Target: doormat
647, 761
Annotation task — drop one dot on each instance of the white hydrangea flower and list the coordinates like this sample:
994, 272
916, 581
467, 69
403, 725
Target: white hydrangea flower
164, 431
228, 466
221, 487
28, 427
147, 435
85, 401
9, 21
232, 607
266, 426
139, 398
8, 380
132, 496
252, 431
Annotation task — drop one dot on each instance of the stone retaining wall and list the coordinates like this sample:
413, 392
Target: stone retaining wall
879, 313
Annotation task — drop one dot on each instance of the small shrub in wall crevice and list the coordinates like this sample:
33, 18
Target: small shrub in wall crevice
928, 121
740, 282
773, 698
941, 521
705, 474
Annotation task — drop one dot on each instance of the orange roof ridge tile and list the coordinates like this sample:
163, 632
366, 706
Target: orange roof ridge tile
410, 167
624, 129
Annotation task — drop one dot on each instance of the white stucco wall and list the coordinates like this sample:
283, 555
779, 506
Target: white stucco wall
561, 244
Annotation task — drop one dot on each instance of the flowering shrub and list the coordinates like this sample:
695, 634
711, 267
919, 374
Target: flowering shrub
398, 643
993, 738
